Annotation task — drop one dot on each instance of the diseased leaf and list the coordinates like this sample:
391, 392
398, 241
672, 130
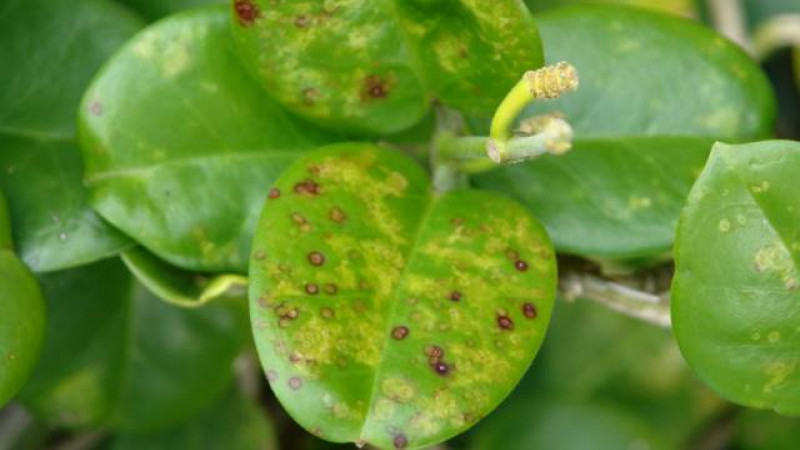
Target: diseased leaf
50, 50
386, 314
373, 66
201, 144
179, 287
118, 357
233, 423
736, 294
22, 315
640, 133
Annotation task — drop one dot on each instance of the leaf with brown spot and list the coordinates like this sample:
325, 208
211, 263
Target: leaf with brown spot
373, 66
389, 356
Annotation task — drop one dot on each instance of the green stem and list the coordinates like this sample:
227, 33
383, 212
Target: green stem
546, 83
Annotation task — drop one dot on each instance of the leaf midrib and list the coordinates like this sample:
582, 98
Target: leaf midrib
423, 222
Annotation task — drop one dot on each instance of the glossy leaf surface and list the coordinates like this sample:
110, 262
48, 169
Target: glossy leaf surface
180, 287
22, 315
50, 49
373, 66
736, 294
117, 356
233, 423
385, 314
641, 134
188, 172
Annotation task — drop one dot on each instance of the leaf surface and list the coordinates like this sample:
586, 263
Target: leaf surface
386, 314
373, 66
641, 134
736, 293
200, 146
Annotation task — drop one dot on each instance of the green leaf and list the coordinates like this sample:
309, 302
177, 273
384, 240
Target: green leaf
180, 287
50, 50
386, 314
566, 426
373, 67
22, 320
233, 423
186, 174
118, 357
54, 226
641, 134
737, 283
155, 9
678, 7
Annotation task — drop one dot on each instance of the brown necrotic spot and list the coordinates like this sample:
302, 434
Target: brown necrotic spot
375, 88
272, 376
326, 313
440, 368
400, 441
331, 289
521, 265
400, 332
312, 289
503, 321
434, 351
455, 296
274, 193
298, 218
306, 187
302, 21
529, 310
337, 215
295, 383
316, 258
246, 11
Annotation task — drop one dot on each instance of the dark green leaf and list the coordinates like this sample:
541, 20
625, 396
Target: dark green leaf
117, 356
387, 314
736, 295
50, 50
155, 9
53, 223
566, 426
373, 66
640, 133
186, 174
232, 423
180, 287
759, 430
22, 320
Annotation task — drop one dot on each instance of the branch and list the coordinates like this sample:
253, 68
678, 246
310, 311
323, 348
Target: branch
645, 306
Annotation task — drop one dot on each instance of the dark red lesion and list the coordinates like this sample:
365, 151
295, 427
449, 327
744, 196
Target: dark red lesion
375, 87
246, 11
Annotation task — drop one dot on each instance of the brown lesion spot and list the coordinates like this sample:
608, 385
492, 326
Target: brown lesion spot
529, 310
399, 332
306, 187
504, 321
400, 441
316, 258
246, 12
375, 87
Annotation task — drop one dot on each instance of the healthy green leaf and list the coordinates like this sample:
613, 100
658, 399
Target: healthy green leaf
156, 9
186, 174
232, 423
116, 356
386, 314
22, 320
54, 226
566, 426
736, 294
373, 66
50, 50
180, 287
641, 134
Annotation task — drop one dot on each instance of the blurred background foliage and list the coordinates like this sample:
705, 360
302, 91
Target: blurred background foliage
602, 380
